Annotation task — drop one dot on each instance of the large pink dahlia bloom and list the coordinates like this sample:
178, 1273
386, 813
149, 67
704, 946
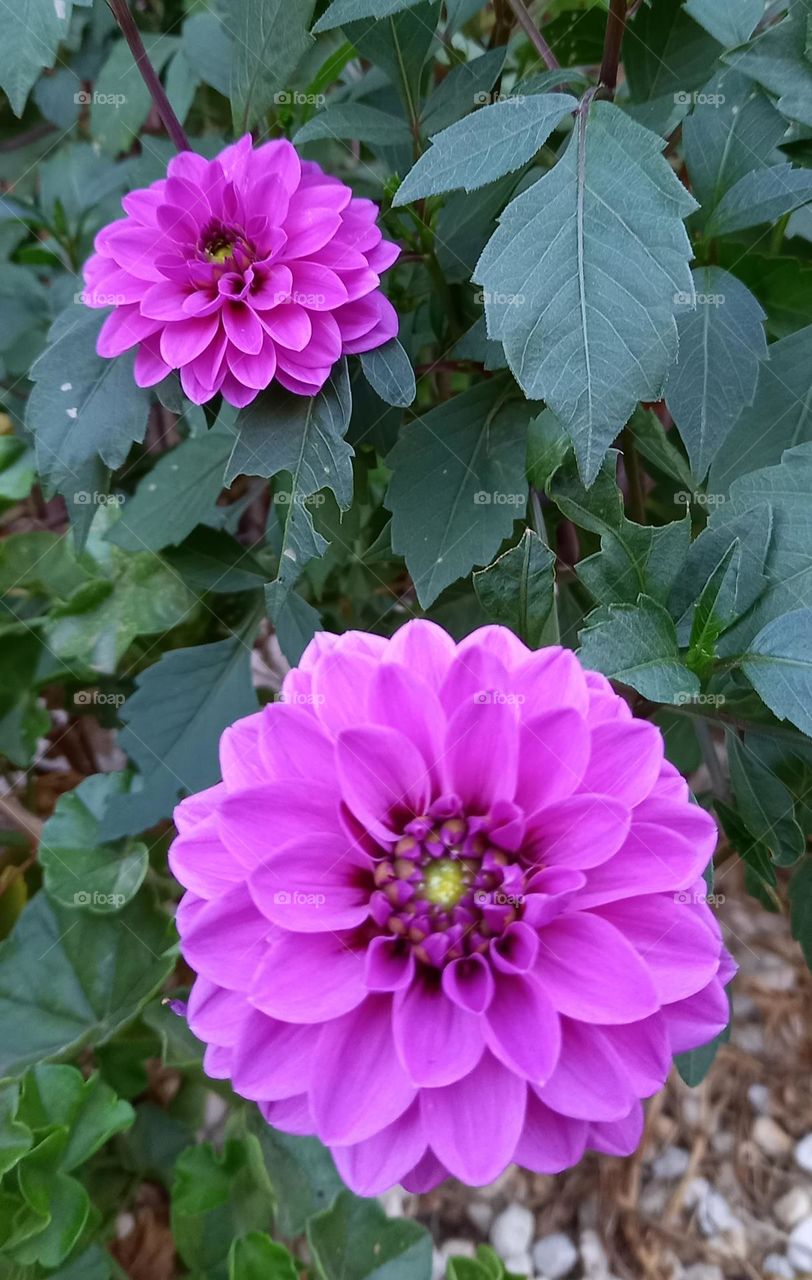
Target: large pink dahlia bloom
446, 909
240, 270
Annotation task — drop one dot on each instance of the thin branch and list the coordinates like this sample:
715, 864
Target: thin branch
615, 28
120, 10
535, 37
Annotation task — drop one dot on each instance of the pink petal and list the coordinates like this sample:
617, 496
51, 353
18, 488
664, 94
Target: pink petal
314, 883
437, 1042
590, 971
308, 980
490, 1100
384, 779
523, 1028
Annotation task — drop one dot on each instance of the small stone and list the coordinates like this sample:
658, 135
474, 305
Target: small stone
696, 1190
792, 1207
704, 1271
481, 1215
770, 1137
759, 1098
512, 1230
799, 1245
671, 1163
457, 1249
776, 1267
593, 1256
654, 1199
393, 1201
714, 1215
554, 1256
520, 1264
803, 1153
437, 1265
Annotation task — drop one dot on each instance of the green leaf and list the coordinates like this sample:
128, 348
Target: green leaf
270, 39
340, 12
694, 1065
760, 877
466, 86
211, 560
389, 372
782, 285
800, 901
302, 1174
733, 130
68, 979
177, 494
207, 47
731, 22
15, 1137
458, 486
637, 645
121, 100
256, 1257
465, 225
354, 1240
778, 664
752, 529
764, 804
779, 417
779, 61
712, 612
59, 1200
88, 1110
656, 446
79, 870
173, 724
721, 344
557, 308
17, 471
295, 621
764, 195
34, 31
486, 145
666, 55
357, 121
82, 406
634, 558
215, 1198
518, 590
398, 44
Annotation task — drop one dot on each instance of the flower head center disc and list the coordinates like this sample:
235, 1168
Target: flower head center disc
443, 884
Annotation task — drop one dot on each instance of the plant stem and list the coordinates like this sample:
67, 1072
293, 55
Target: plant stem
615, 28
120, 10
634, 475
534, 35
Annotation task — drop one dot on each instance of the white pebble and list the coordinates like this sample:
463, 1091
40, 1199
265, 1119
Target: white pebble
671, 1163
803, 1153
593, 1256
554, 1256
714, 1215
512, 1230
776, 1267
704, 1271
792, 1207
457, 1249
770, 1137
520, 1264
799, 1245
759, 1097
481, 1214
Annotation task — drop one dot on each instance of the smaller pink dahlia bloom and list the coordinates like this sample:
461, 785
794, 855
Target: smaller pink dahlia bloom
446, 909
240, 270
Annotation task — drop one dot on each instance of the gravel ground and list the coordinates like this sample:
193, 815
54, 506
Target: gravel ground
721, 1188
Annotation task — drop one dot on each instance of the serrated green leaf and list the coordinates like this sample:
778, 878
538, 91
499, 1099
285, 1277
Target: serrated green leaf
753, 530
354, 1240
121, 100
458, 485
764, 804
492, 142
764, 195
340, 12
357, 121
731, 22
399, 44
79, 870
666, 53
466, 86
295, 621
389, 372
173, 724
211, 560
88, 1110
721, 345
270, 39
30, 42
518, 590
711, 613
779, 61
637, 645
778, 664
68, 978
564, 252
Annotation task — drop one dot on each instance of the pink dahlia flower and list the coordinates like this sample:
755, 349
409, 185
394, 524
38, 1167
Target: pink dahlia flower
240, 270
446, 909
